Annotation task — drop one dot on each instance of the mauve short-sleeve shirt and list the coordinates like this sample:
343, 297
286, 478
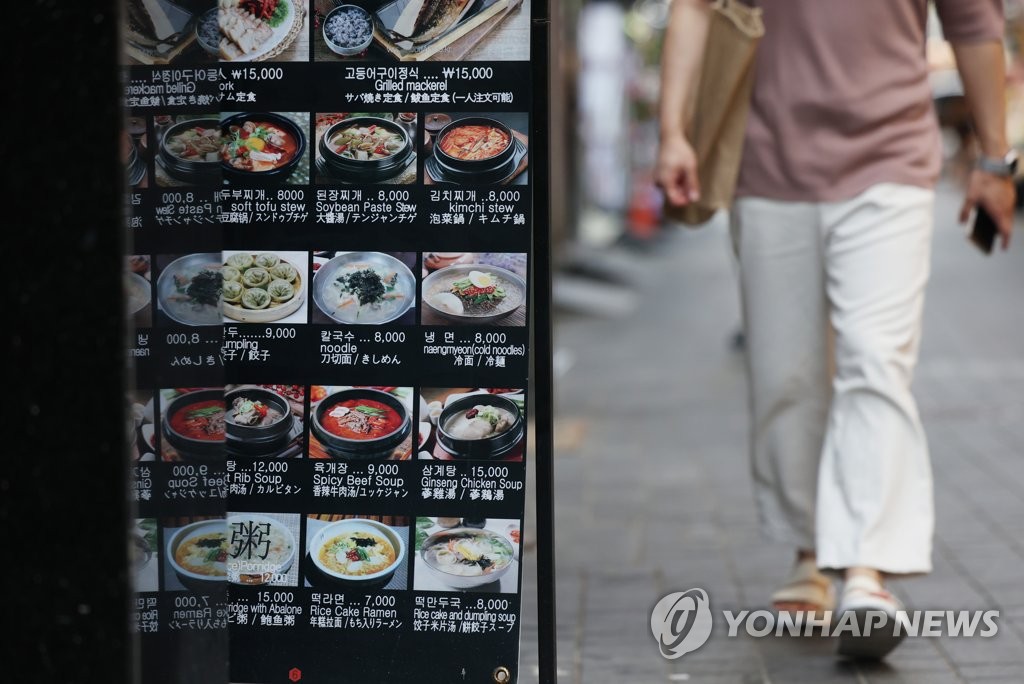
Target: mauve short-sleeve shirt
841, 99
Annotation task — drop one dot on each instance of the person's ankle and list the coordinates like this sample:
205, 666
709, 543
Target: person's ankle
869, 573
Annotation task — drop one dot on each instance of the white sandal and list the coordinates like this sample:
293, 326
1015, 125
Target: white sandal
865, 598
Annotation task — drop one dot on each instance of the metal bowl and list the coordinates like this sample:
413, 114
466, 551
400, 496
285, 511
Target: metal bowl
166, 290
462, 581
325, 275
211, 48
515, 294
340, 49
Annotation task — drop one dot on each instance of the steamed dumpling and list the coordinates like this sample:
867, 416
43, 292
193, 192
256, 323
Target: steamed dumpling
255, 299
232, 292
267, 260
280, 290
284, 271
230, 273
256, 277
241, 261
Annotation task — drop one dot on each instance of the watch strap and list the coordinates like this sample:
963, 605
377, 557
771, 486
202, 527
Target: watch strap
999, 166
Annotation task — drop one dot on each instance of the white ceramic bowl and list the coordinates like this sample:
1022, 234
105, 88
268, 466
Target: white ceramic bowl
328, 532
194, 580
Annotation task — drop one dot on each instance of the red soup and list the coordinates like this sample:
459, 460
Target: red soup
201, 420
361, 419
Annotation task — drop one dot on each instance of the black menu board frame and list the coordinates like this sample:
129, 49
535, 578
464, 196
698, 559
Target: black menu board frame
329, 418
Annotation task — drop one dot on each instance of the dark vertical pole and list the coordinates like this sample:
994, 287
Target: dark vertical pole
63, 472
543, 342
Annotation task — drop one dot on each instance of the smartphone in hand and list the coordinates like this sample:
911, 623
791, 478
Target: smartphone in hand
983, 230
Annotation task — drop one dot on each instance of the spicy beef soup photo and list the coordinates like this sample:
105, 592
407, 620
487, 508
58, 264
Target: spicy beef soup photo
361, 423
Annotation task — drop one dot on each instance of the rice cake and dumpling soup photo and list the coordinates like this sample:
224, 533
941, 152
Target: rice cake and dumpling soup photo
478, 555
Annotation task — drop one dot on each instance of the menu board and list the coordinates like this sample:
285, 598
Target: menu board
330, 281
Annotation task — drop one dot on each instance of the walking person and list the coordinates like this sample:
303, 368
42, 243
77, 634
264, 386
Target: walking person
832, 225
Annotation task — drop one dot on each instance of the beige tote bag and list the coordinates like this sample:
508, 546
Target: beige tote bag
720, 107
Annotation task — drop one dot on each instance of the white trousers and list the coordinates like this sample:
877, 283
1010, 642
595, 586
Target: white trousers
832, 301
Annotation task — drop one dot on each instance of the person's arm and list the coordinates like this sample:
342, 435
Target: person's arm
982, 70
682, 54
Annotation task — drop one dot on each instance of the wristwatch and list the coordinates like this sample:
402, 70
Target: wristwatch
1005, 166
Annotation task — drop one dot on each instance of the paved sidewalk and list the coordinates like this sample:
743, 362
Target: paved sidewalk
653, 490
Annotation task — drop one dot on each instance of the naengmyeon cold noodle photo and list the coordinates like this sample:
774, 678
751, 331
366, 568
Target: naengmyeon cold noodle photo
470, 288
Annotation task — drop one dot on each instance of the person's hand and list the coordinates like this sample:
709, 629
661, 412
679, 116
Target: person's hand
676, 171
997, 195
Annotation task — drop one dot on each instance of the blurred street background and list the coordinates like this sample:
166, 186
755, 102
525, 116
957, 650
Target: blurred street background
653, 491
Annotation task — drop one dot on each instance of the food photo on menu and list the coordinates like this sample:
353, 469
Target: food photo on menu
264, 421
263, 549
144, 546
419, 30
466, 554
138, 290
192, 424
264, 286
471, 288
188, 289
160, 32
196, 553
251, 147
361, 423
366, 147
262, 148
141, 425
356, 552
472, 424
187, 149
135, 152
476, 149
364, 288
